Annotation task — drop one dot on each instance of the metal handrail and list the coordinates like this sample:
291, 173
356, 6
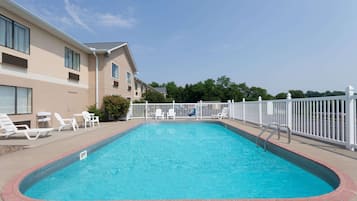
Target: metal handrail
264, 129
276, 130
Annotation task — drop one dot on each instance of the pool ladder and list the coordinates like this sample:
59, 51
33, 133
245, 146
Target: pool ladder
272, 132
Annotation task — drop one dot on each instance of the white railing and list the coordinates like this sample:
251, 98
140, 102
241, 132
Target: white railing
202, 110
331, 119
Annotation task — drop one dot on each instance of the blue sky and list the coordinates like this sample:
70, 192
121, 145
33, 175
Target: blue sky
276, 44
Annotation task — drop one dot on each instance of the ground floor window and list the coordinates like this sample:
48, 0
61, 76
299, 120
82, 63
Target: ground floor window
15, 100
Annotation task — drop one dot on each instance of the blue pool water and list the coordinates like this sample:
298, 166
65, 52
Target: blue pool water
179, 161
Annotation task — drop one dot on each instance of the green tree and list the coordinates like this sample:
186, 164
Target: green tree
154, 96
297, 94
281, 95
154, 84
313, 94
172, 90
210, 91
255, 92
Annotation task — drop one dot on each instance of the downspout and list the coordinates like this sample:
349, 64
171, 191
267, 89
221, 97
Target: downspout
96, 78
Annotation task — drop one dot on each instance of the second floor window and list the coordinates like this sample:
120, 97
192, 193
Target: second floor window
14, 35
115, 71
72, 59
128, 78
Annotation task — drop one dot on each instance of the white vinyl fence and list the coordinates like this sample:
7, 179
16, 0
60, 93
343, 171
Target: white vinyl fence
203, 110
331, 119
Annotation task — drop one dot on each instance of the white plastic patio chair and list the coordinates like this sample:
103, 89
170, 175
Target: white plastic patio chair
159, 114
66, 123
9, 129
171, 114
223, 114
90, 119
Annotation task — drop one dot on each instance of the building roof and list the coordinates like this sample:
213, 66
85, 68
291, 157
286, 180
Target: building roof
105, 45
161, 89
108, 47
27, 15
140, 81
89, 48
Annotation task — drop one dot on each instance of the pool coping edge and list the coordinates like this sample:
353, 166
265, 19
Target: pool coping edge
346, 190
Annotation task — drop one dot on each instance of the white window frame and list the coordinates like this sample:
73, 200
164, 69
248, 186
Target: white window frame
13, 38
128, 78
72, 59
117, 74
16, 106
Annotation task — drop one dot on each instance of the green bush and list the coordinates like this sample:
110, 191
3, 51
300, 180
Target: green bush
115, 107
97, 112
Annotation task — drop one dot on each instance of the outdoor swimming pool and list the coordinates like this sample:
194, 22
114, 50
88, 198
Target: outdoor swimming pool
179, 161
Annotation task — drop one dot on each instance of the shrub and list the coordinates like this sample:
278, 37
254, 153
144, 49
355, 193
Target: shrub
115, 107
97, 112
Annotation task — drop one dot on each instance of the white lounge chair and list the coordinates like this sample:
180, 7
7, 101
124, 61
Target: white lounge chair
159, 114
223, 114
171, 114
90, 118
9, 129
66, 123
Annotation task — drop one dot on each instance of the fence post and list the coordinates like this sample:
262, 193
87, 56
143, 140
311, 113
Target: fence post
200, 109
130, 112
289, 111
173, 105
146, 110
350, 113
243, 109
229, 106
232, 116
260, 111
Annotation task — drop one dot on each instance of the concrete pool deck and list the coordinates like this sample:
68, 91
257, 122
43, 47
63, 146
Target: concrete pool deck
39, 152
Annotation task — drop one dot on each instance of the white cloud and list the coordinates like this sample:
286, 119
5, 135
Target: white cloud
75, 12
76, 15
84, 18
108, 19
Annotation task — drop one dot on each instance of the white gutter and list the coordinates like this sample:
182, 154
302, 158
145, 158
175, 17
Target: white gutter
96, 78
131, 56
117, 47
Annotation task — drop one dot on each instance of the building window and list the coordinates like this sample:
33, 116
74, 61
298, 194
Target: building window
72, 59
128, 78
14, 35
136, 86
115, 71
15, 100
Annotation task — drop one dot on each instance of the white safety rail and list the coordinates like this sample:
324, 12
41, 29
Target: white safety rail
252, 112
138, 111
331, 119
323, 118
274, 111
203, 110
353, 102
